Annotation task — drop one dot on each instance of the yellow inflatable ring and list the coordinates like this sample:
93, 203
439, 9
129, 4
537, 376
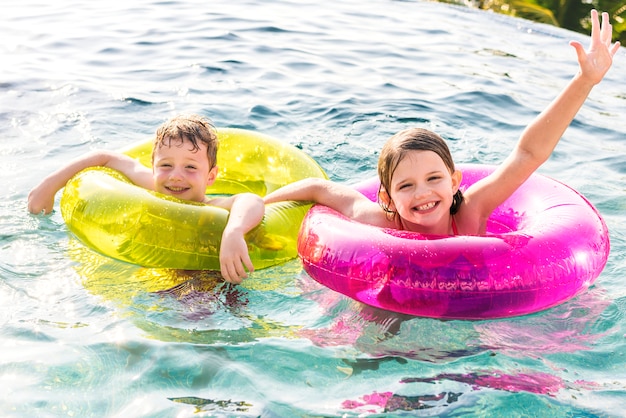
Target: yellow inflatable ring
118, 219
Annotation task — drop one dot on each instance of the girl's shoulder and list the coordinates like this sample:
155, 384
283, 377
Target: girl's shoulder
471, 218
371, 213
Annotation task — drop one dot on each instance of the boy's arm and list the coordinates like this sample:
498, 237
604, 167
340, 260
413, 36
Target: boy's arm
41, 197
246, 212
542, 135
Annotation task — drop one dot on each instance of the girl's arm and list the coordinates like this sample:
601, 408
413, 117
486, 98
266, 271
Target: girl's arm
41, 197
342, 198
542, 135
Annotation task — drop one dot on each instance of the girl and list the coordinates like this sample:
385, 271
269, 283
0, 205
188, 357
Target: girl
419, 185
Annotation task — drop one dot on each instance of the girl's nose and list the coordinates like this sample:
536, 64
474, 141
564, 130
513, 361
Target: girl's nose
422, 191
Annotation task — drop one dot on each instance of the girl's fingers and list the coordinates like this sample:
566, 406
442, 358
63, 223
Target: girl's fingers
595, 29
607, 29
615, 48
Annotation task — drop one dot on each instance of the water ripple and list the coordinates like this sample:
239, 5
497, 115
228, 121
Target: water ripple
335, 81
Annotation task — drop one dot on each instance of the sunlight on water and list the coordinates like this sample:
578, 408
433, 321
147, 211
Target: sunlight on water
84, 335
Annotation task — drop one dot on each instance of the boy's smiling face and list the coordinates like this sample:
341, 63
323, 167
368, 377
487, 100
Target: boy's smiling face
180, 171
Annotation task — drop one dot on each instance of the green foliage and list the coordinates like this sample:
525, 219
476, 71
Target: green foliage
568, 14
521, 8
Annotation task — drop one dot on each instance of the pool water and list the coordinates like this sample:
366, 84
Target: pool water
82, 335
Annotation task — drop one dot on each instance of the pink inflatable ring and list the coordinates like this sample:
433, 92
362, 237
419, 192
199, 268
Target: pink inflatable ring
544, 245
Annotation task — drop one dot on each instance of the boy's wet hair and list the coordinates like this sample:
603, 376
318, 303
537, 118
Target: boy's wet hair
194, 129
412, 139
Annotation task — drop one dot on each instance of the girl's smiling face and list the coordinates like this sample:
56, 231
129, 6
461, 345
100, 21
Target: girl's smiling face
180, 171
421, 192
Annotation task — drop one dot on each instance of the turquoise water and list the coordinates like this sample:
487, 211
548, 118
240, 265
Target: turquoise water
85, 336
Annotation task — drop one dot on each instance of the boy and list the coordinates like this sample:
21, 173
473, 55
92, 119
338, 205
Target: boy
183, 165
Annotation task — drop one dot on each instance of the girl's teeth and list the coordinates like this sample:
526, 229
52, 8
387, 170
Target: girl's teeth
427, 206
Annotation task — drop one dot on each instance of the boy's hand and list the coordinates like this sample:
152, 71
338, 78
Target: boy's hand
596, 61
246, 211
40, 200
234, 258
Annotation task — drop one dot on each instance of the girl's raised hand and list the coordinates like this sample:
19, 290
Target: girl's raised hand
596, 61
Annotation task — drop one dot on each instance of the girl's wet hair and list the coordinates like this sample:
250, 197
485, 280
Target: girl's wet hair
194, 129
412, 139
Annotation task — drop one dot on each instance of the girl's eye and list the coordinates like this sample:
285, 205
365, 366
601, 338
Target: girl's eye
434, 178
404, 186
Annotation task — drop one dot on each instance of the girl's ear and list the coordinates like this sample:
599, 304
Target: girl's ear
457, 177
212, 176
385, 200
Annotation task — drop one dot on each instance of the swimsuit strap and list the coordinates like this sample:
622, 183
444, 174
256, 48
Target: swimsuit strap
454, 230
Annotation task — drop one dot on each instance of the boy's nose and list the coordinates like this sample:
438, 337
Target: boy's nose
176, 174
